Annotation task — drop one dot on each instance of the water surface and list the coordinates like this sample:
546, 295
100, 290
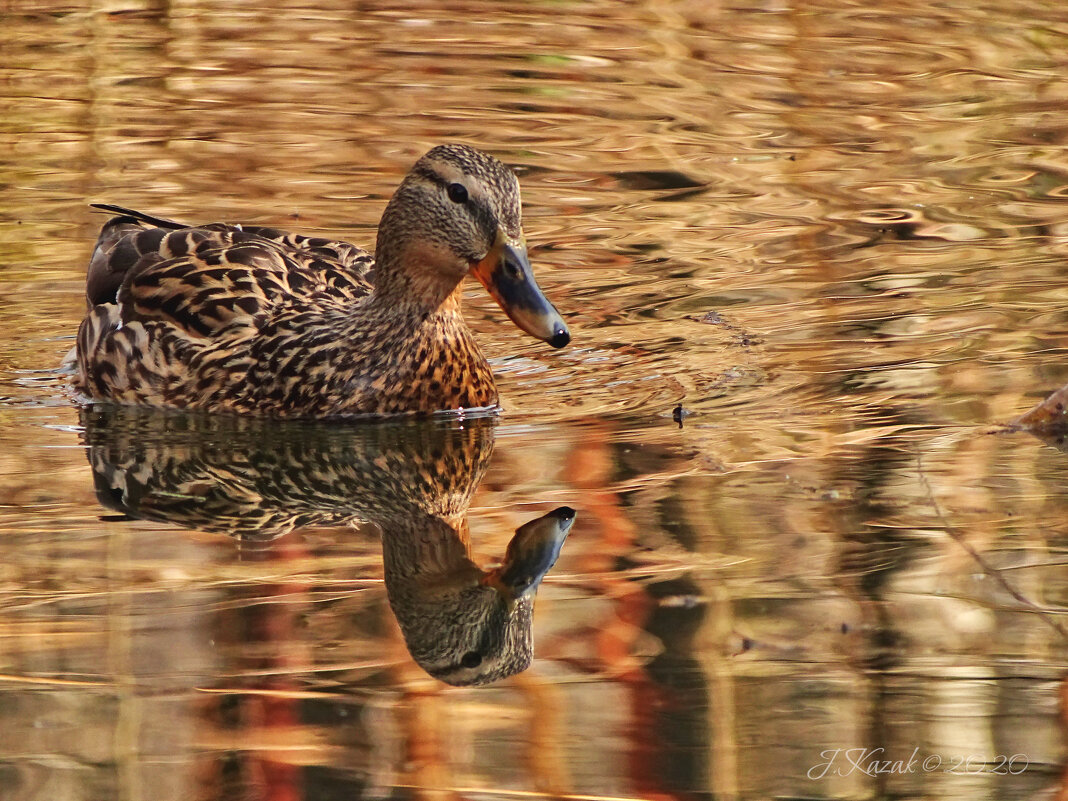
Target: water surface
833, 233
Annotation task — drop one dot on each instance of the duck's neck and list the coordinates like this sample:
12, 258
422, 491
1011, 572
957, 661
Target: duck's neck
413, 311
403, 281
417, 354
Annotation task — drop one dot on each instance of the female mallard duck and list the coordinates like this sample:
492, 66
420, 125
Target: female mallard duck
257, 321
258, 479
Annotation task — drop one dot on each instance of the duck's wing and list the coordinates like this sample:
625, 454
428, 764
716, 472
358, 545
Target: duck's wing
206, 278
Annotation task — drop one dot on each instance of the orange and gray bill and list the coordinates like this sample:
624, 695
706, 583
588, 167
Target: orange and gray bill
506, 273
531, 553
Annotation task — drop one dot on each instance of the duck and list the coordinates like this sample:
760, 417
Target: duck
407, 482
253, 320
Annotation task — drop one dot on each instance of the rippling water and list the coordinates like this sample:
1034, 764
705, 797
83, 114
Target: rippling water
834, 233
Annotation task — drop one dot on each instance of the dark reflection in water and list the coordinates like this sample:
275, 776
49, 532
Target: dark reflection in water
258, 480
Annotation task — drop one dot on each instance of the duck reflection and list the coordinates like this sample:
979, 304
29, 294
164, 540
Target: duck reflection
257, 480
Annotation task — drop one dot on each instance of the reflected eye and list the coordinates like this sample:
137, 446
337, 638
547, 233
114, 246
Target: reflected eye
457, 193
472, 658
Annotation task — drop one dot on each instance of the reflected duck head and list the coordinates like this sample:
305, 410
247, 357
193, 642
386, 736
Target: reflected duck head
258, 480
466, 626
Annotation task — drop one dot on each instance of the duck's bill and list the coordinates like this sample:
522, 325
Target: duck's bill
532, 552
507, 276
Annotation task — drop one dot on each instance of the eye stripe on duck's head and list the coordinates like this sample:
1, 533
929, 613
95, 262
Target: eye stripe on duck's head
492, 188
428, 241
477, 203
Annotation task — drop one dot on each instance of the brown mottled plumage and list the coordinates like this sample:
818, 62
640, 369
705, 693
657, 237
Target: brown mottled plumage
258, 479
257, 321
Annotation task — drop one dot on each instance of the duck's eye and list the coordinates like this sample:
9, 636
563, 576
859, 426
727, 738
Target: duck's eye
457, 193
471, 659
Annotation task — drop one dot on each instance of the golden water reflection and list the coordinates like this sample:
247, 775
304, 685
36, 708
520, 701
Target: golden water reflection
259, 480
699, 623
832, 232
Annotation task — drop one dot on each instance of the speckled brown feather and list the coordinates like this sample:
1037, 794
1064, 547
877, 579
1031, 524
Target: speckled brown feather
257, 321
259, 479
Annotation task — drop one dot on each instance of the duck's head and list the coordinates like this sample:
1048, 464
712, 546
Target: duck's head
462, 624
458, 212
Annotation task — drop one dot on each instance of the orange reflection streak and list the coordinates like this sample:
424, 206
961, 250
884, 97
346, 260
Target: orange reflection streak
619, 640
262, 728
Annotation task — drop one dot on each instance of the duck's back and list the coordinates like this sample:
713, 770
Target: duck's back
179, 315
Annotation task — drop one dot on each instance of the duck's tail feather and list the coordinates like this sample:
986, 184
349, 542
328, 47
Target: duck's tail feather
139, 216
